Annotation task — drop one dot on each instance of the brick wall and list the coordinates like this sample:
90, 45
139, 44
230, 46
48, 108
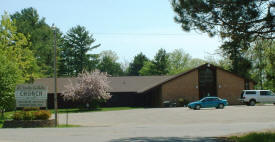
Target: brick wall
229, 86
251, 85
185, 86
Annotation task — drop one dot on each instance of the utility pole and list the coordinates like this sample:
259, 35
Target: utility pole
55, 84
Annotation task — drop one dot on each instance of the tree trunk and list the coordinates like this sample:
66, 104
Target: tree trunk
2, 114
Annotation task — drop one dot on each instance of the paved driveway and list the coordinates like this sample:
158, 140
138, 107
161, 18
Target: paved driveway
174, 116
151, 125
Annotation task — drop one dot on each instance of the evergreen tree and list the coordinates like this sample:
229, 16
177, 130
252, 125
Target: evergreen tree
74, 56
238, 23
161, 62
242, 18
137, 64
159, 66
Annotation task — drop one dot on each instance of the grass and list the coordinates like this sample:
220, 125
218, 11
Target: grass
255, 137
77, 110
1, 123
7, 115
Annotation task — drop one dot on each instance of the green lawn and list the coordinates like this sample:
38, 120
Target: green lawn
7, 115
76, 110
1, 123
255, 137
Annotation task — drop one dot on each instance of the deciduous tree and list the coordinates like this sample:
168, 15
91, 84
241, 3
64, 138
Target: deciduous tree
40, 36
179, 61
262, 55
91, 88
108, 63
17, 63
9, 76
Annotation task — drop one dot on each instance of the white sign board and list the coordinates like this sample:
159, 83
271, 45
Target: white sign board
30, 95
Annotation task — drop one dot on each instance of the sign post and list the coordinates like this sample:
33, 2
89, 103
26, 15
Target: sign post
29, 95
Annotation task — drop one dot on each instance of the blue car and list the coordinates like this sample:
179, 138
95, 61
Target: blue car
208, 102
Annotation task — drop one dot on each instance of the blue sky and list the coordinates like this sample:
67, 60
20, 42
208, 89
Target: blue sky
125, 26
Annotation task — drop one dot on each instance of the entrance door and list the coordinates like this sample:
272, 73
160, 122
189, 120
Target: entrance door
207, 82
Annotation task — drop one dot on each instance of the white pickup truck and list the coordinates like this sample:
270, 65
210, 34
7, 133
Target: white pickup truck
251, 97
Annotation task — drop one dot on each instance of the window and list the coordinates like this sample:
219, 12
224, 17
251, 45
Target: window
265, 93
215, 99
205, 100
211, 99
250, 92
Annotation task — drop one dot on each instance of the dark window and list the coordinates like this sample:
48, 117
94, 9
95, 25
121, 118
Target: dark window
210, 99
250, 92
207, 82
215, 99
205, 100
264, 93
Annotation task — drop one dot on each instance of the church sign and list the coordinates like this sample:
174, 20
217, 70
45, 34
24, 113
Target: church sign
30, 95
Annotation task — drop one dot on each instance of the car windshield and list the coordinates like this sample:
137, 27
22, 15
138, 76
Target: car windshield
203, 99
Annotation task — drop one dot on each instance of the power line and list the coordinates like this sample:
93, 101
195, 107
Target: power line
140, 34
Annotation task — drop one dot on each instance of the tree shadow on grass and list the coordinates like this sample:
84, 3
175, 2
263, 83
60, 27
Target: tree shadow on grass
171, 139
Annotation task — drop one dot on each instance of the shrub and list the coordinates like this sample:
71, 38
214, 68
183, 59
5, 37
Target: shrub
18, 116
32, 115
28, 115
182, 102
31, 108
42, 115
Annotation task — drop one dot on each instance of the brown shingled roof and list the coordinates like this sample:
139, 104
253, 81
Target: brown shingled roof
136, 84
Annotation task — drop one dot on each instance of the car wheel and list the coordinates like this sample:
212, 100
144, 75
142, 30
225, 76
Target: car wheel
197, 107
252, 103
221, 106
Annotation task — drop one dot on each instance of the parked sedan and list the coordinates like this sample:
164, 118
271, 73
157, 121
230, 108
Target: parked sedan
208, 102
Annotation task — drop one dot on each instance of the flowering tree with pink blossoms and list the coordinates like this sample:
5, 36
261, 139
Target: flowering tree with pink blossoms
91, 88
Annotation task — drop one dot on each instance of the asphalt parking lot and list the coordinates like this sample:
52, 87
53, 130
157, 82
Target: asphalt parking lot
174, 116
152, 125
